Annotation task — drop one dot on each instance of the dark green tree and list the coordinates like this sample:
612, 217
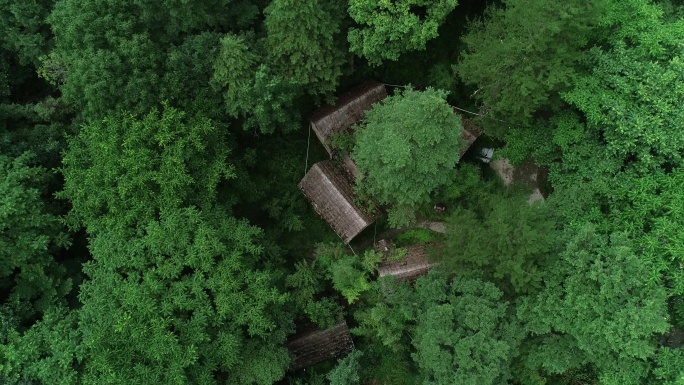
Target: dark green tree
114, 55
30, 235
252, 90
304, 42
500, 237
24, 30
347, 370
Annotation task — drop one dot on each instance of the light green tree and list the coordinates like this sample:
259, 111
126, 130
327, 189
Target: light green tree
390, 28
406, 148
123, 170
347, 370
184, 303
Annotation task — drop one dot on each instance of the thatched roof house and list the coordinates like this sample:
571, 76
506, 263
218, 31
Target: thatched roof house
409, 267
331, 195
313, 346
348, 110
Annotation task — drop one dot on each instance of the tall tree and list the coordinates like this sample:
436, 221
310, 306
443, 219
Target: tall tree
616, 310
304, 42
184, 303
24, 30
390, 28
463, 335
252, 90
116, 54
123, 170
171, 268
522, 55
459, 329
500, 237
406, 148
30, 236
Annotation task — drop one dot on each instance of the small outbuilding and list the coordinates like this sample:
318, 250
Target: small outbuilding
332, 196
469, 134
411, 266
348, 110
314, 345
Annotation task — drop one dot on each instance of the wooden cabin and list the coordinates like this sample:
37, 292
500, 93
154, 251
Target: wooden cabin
411, 266
314, 345
331, 194
349, 109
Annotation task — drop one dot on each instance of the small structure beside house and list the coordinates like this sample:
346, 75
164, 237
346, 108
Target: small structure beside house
469, 134
348, 110
314, 345
413, 265
331, 195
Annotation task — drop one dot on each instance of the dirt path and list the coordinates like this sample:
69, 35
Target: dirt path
525, 173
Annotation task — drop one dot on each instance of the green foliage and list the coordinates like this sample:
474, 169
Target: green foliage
342, 141
118, 56
184, 302
251, 90
414, 237
677, 311
29, 236
47, 353
23, 29
389, 367
459, 329
350, 274
391, 315
624, 98
522, 55
305, 286
391, 28
466, 179
347, 370
669, 368
462, 336
501, 237
303, 42
128, 169
407, 148
616, 310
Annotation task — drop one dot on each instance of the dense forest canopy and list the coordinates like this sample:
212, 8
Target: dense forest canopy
153, 231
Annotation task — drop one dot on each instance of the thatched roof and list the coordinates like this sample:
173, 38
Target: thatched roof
332, 197
410, 267
350, 169
469, 134
314, 346
348, 110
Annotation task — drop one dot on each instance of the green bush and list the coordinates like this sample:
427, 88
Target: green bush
414, 236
